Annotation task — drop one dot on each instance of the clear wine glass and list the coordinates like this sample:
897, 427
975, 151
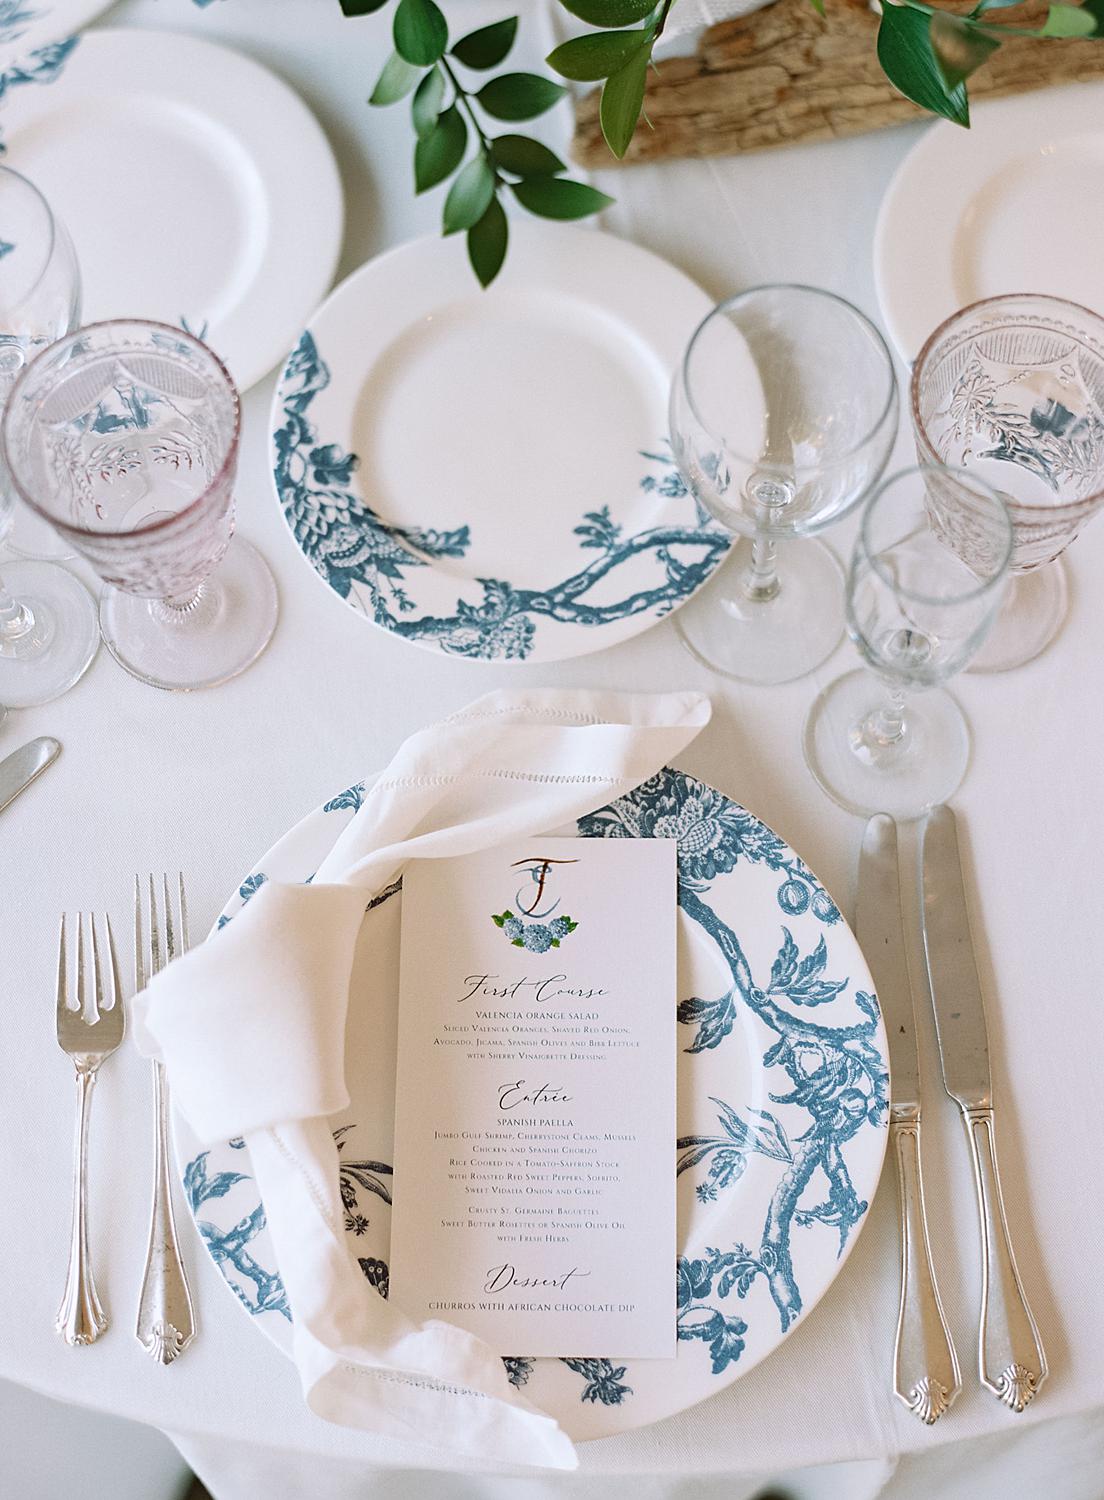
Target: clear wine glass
1012, 389
124, 436
783, 416
48, 633
926, 580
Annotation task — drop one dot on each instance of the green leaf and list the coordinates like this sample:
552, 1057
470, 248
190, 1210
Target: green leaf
818, 6
523, 157
906, 55
487, 243
584, 59
1095, 9
395, 82
498, 921
428, 98
1069, 20
622, 98
486, 47
361, 7
441, 152
958, 47
559, 197
420, 31
519, 96
609, 13
469, 195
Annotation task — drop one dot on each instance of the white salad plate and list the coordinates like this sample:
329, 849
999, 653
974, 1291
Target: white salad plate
33, 32
782, 1105
1016, 205
486, 473
198, 188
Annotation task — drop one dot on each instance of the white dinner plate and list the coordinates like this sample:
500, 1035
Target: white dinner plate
1014, 205
33, 32
782, 1103
198, 188
486, 473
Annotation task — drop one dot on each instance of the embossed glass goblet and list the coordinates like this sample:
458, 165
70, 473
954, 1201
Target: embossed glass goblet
783, 416
48, 632
926, 580
125, 437
1012, 389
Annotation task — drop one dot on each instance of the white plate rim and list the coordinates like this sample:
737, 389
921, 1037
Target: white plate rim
553, 1386
277, 132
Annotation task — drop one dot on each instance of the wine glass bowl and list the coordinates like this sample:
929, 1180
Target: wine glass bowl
917, 611
1012, 389
783, 414
125, 437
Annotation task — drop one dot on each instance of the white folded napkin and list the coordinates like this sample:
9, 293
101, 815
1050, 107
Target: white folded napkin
251, 1029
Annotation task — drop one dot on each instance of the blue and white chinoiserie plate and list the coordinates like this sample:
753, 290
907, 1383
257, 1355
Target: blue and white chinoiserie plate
782, 1104
197, 186
486, 473
34, 32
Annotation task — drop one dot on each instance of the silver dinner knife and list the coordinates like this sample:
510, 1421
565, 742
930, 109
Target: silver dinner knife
20, 768
925, 1366
1011, 1361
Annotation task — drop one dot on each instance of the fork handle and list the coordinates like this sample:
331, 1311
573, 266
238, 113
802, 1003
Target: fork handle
166, 1322
80, 1318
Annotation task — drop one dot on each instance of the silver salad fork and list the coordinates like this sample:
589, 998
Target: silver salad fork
166, 1320
88, 1033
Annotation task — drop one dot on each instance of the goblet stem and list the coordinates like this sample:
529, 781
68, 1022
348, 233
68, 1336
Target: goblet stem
880, 735
760, 582
16, 622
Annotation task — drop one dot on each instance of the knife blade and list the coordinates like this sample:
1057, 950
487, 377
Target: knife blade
20, 768
1011, 1360
926, 1375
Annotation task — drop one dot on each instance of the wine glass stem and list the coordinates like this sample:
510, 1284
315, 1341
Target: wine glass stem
887, 726
760, 579
16, 620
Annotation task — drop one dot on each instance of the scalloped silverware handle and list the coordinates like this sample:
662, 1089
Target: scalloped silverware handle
1011, 1360
925, 1365
166, 1322
80, 1318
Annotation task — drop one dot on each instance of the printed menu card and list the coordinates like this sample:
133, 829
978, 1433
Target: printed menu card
535, 1097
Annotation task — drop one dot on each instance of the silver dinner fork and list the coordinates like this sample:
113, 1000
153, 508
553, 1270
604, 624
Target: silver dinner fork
88, 1033
166, 1321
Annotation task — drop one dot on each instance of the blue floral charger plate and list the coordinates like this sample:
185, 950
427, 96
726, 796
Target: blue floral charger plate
486, 473
782, 1104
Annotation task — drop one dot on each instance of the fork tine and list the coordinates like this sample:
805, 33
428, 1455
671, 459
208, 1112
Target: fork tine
80, 963
139, 955
155, 932
97, 970
170, 930
183, 913
115, 998
62, 978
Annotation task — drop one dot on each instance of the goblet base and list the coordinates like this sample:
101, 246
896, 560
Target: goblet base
210, 641
1032, 612
30, 536
904, 777
775, 640
60, 647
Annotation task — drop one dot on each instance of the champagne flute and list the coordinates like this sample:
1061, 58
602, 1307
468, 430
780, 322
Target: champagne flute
783, 416
926, 581
48, 632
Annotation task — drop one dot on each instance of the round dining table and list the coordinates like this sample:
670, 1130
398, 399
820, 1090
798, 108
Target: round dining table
205, 782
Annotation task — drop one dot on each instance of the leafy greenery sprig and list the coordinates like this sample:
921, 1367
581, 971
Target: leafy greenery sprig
447, 114
929, 53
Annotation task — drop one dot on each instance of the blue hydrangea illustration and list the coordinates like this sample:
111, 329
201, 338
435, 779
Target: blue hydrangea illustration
534, 937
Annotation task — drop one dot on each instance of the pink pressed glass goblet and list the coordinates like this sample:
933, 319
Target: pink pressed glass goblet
124, 436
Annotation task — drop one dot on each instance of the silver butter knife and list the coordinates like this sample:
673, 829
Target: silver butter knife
1011, 1361
925, 1366
20, 768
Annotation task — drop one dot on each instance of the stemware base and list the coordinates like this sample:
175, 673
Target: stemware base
227, 628
1031, 614
773, 641
60, 647
30, 536
904, 778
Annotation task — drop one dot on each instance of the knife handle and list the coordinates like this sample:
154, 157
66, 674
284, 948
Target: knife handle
1011, 1361
925, 1365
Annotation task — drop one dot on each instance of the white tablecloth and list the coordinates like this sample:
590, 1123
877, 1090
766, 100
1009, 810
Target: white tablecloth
206, 782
